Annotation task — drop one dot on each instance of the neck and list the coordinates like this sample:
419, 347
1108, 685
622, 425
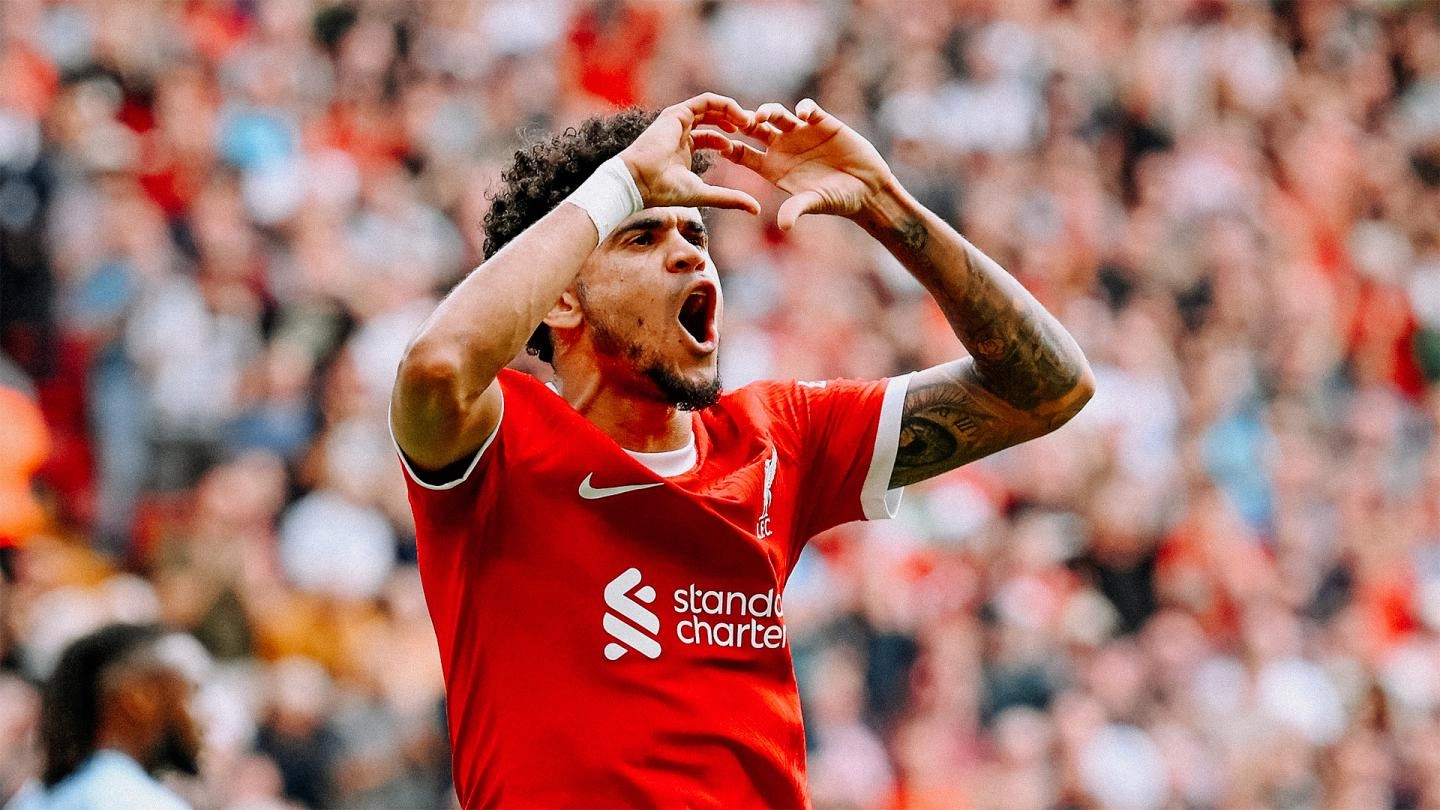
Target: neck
635, 422
127, 741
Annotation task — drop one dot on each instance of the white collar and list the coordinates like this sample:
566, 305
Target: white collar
669, 463
666, 463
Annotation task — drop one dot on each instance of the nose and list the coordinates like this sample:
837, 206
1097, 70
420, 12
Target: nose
685, 256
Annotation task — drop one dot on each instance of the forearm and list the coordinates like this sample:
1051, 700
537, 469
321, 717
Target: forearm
1022, 355
488, 317
445, 401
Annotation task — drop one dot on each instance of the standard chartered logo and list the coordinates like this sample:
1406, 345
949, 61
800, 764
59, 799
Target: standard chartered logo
711, 618
731, 618
617, 599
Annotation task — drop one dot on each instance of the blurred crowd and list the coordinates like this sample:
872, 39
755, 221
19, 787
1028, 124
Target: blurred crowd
222, 220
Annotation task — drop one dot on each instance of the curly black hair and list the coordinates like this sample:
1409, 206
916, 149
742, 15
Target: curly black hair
544, 173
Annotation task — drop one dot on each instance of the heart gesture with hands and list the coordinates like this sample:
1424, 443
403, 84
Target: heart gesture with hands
659, 159
826, 167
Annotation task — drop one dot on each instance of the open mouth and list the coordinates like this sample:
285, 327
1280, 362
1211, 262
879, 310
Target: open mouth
697, 315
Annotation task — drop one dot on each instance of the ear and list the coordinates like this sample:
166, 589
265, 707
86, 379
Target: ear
566, 313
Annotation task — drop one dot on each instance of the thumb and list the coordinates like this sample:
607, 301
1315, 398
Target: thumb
806, 202
722, 197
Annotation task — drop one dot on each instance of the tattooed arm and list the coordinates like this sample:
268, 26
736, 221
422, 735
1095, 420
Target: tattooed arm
1024, 377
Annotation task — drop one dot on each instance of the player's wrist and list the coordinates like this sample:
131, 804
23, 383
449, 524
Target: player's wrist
608, 196
886, 205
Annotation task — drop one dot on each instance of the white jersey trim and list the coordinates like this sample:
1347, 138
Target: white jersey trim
876, 498
666, 463
669, 463
485, 445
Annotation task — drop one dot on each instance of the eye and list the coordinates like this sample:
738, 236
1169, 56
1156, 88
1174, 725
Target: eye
696, 239
643, 239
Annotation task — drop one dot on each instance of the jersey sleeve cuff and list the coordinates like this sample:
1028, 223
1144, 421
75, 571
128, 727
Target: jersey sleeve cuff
876, 498
469, 468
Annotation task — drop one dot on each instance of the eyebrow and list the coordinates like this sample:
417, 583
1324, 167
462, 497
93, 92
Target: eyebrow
694, 226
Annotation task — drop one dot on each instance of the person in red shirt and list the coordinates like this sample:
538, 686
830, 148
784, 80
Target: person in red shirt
604, 557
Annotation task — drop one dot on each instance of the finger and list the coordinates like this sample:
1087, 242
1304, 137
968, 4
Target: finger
776, 115
743, 154
735, 151
722, 120
712, 108
765, 133
710, 139
806, 202
809, 110
708, 196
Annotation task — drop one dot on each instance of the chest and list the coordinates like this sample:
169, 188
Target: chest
695, 564
736, 507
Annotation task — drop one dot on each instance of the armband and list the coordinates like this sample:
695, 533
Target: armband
608, 196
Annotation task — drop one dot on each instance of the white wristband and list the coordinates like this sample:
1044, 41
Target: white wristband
608, 196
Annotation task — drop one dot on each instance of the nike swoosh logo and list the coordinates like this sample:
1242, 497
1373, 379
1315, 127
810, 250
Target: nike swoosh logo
590, 493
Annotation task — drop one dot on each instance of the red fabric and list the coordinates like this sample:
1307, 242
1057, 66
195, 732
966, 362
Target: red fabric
1385, 600
69, 472
515, 566
1381, 333
366, 132
612, 56
31, 82
24, 444
214, 29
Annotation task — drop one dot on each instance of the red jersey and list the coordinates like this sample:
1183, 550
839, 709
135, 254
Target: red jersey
611, 637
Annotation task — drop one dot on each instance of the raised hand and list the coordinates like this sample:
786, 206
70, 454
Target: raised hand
826, 167
659, 159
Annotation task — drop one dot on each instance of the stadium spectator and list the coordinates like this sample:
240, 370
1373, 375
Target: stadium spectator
115, 711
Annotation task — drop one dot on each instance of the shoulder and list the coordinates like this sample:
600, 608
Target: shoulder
798, 408
761, 401
522, 384
775, 392
797, 397
533, 408
112, 780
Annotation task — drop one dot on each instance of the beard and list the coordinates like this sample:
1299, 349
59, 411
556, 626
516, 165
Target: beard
174, 751
685, 393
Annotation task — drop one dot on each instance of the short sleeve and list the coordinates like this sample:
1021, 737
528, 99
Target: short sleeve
455, 474
849, 433
445, 503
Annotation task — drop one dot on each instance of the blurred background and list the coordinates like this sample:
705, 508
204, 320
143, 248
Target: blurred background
221, 221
